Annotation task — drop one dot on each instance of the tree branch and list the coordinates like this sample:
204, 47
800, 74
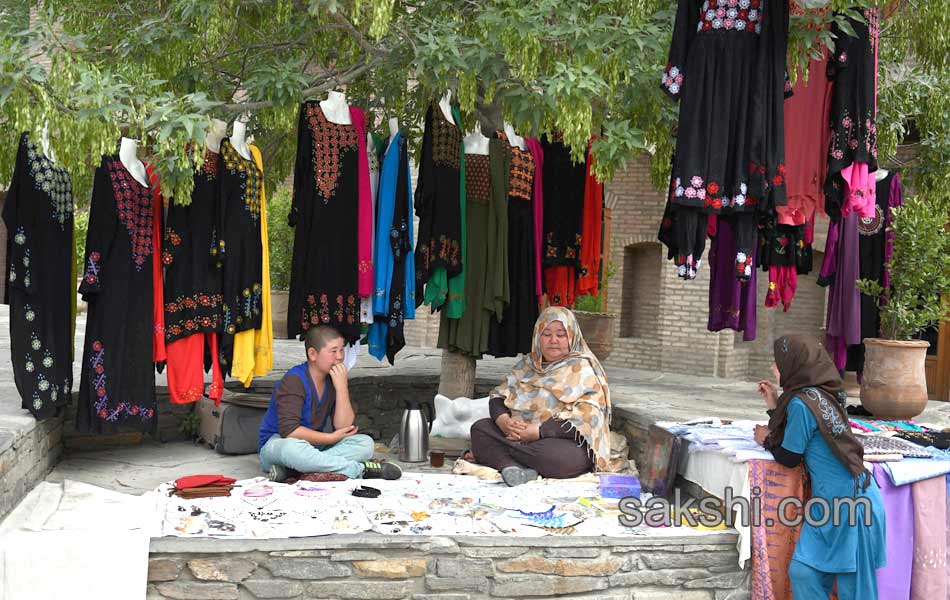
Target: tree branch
356, 33
332, 81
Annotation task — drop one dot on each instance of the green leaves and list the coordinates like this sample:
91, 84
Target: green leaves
160, 71
919, 272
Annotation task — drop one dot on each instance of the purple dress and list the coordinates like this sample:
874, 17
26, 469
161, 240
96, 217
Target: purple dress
731, 302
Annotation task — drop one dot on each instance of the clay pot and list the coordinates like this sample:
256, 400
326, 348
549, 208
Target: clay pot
894, 385
598, 331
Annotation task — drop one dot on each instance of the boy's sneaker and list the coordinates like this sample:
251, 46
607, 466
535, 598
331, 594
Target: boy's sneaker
381, 470
277, 474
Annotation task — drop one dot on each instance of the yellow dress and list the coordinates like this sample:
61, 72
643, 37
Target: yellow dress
253, 348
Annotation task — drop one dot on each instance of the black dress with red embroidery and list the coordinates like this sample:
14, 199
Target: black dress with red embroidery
38, 213
513, 334
437, 200
564, 182
727, 69
324, 286
118, 375
193, 296
852, 115
240, 247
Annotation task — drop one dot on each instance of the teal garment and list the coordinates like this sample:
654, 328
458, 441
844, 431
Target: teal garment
829, 548
812, 584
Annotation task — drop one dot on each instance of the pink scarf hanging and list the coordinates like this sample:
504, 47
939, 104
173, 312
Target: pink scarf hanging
537, 204
364, 251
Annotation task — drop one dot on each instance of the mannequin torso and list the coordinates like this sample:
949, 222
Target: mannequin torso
44, 143
513, 138
131, 162
446, 105
475, 143
238, 141
336, 109
393, 130
216, 133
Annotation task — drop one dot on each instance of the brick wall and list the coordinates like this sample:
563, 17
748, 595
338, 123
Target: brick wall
662, 318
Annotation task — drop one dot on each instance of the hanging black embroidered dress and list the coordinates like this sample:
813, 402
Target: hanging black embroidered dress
727, 69
240, 247
852, 68
38, 213
437, 204
563, 204
513, 334
324, 285
118, 377
193, 296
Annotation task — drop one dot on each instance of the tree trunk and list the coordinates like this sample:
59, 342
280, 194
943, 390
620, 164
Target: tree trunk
458, 375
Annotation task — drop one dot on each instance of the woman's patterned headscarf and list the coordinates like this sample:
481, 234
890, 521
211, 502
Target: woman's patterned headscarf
573, 388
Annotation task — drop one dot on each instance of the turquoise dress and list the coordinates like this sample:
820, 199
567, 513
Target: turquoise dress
853, 553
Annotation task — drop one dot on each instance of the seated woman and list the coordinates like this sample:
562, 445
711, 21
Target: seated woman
552, 415
807, 422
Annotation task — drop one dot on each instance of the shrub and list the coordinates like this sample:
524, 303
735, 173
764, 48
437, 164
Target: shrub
280, 236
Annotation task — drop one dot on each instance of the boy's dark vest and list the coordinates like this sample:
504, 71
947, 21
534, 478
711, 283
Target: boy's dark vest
269, 425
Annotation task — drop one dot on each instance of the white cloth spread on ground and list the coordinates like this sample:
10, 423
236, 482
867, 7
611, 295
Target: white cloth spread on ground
417, 504
73, 536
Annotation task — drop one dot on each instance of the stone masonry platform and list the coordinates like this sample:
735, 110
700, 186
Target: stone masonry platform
441, 568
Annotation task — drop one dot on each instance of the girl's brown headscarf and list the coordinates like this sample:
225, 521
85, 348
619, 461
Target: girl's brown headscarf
807, 372
573, 388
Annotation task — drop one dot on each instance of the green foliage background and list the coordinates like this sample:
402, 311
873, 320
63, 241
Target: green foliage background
159, 71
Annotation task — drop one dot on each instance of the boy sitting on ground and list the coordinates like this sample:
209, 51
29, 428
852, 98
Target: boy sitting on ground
308, 426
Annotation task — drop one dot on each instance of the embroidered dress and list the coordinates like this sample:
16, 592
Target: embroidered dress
438, 207
852, 154
486, 207
193, 296
727, 69
118, 378
240, 183
38, 213
324, 284
253, 348
563, 216
874, 252
394, 295
512, 334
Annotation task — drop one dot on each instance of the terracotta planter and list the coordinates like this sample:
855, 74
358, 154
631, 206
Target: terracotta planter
278, 310
895, 381
598, 331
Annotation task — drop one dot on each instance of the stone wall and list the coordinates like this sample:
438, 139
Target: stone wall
423, 568
28, 452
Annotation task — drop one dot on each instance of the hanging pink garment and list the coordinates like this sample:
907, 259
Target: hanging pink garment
929, 578
365, 209
537, 204
783, 281
806, 145
859, 194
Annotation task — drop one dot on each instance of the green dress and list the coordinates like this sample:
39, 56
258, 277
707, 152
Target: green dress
486, 264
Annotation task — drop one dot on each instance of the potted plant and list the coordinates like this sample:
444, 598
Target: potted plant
597, 325
894, 383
